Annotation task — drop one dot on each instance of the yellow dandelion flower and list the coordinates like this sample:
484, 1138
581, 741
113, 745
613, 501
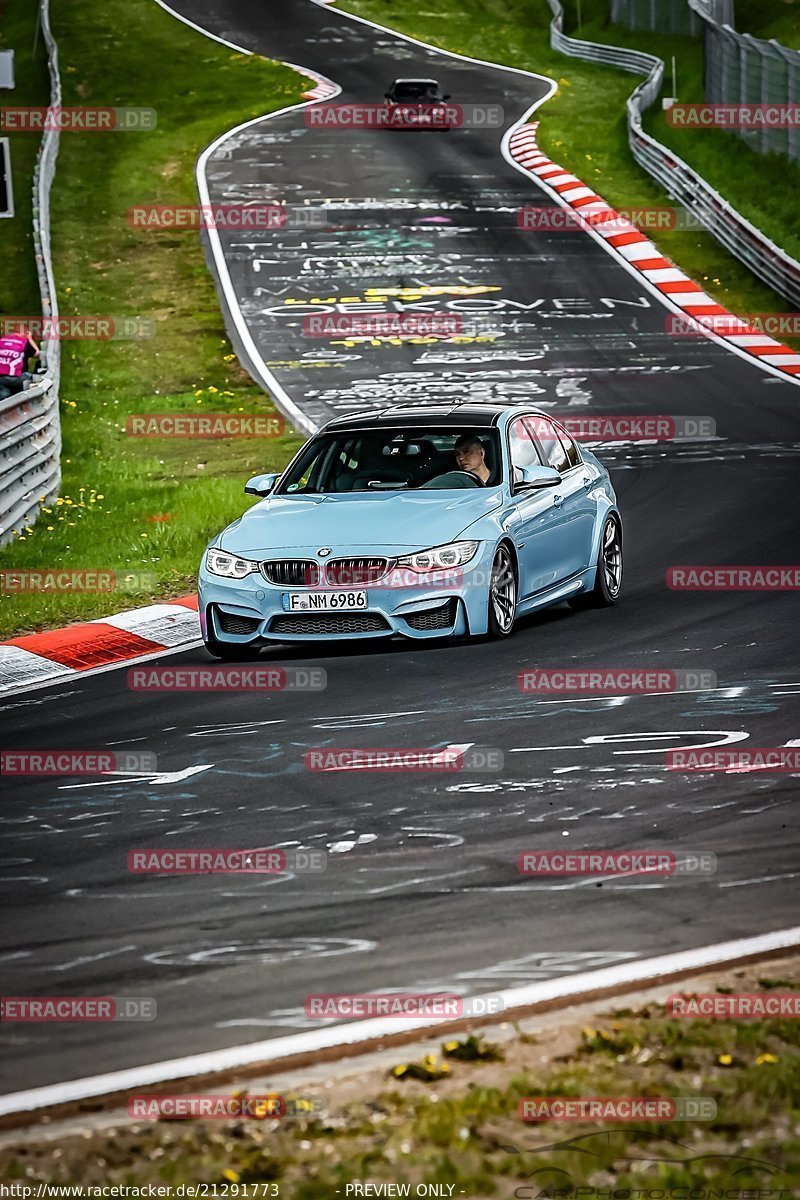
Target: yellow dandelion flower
231, 1176
213, 389
765, 1058
725, 1060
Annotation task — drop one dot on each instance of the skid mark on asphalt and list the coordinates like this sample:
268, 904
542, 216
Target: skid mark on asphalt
529, 968
264, 950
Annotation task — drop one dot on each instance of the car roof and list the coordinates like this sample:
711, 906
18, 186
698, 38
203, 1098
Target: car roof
464, 413
413, 79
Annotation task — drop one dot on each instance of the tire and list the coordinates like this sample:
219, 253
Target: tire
608, 583
228, 652
502, 600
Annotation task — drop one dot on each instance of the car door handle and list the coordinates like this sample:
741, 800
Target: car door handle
558, 501
587, 479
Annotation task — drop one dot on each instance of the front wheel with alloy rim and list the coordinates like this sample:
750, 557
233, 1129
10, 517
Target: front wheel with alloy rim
502, 595
608, 580
230, 651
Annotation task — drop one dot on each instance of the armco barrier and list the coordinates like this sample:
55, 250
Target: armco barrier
741, 69
30, 426
766, 260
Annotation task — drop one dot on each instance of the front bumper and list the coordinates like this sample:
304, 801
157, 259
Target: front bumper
252, 611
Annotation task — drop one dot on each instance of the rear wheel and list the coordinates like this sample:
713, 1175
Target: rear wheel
502, 595
608, 581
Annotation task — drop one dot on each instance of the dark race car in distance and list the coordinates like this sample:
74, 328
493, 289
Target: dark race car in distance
419, 104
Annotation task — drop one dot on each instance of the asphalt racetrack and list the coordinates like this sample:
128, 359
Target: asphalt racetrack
422, 890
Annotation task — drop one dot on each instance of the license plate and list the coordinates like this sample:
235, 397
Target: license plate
324, 601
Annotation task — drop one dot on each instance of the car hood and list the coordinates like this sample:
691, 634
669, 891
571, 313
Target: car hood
405, 520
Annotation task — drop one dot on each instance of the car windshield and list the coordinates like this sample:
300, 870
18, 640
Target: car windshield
417, 90
372, 460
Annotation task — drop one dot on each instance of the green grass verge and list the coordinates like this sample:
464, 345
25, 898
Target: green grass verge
128, 504
19, 286
778, 19
583, 125
453, 1120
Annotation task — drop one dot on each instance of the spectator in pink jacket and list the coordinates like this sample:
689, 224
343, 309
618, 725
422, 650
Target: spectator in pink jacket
15, 351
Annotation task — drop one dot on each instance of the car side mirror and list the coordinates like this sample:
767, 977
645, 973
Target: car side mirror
387, 95
260, 485
536, 477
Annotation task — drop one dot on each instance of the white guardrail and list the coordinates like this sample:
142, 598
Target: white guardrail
30, 426
747, 243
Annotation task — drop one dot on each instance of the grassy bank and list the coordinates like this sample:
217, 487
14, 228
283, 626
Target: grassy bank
778, 19
590, 137
136, 504
452, 1118
19, 288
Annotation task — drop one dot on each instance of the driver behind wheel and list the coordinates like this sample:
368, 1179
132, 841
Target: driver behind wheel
470, 455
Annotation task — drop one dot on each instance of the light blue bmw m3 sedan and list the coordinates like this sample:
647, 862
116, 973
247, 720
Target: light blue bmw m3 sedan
417, 522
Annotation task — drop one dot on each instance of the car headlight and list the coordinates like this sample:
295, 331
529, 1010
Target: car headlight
219, 562
455, 554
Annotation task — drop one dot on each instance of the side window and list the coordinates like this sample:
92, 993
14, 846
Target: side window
571, 450
522, 447
547, 436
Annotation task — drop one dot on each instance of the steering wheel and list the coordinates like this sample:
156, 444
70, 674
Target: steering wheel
453, 479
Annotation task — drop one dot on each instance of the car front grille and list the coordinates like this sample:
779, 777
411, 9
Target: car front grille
291, 572
433, 618
329, 623
343, 572
232, 623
